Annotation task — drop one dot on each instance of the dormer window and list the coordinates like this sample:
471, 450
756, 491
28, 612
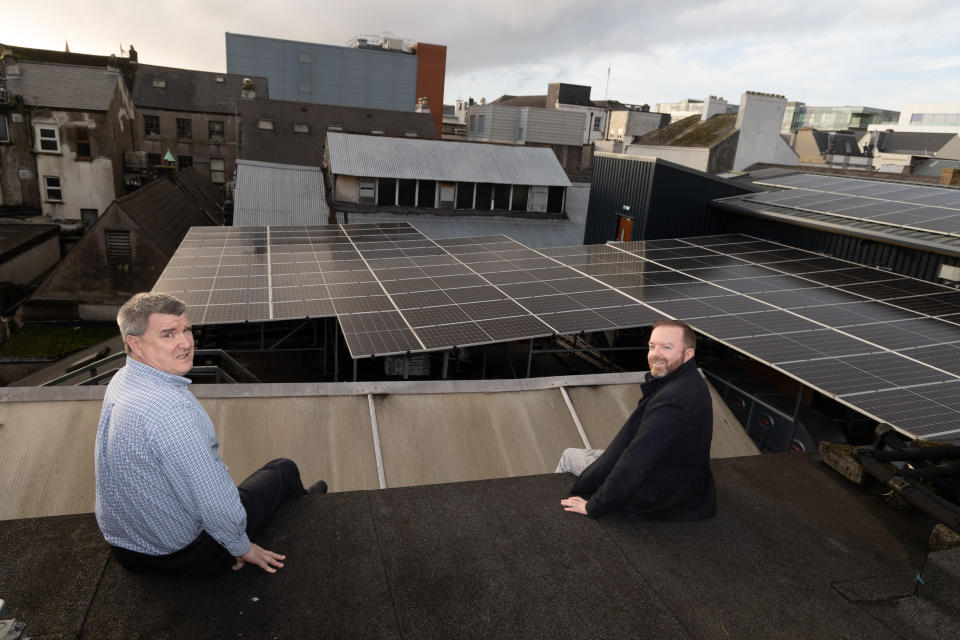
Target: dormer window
159, 83
335, 127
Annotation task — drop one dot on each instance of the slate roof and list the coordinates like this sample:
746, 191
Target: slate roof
934, 166
844, 142
405, 158
196, 91
692, 132
164, 212
206, 194
269, 194
284, 146
522, 101
64, 86
908, 142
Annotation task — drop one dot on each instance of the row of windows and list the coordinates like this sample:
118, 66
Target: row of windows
935, 118
217, 167
151, 127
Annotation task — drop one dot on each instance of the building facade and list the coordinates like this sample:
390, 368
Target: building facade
65, 130
797, 115
375, 73
194, 115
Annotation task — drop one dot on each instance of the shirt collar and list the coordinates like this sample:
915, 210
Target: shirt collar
146, 370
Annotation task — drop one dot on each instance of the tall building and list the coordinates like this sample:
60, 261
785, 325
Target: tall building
842, 118
375, 73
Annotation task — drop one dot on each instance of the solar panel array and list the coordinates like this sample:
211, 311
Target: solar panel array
933, 209
882, 343
392, 289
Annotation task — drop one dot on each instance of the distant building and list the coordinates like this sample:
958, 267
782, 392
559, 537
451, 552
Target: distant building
504, 123
295, 133
693, 107
375, 73
930, 117
902, 151
834, 149
192, 114
372, 173
125, 251
64, 130
719, 142
843, 118
561, 96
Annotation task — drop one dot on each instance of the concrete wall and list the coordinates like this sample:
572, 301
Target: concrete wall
326, 74
18, 179
588, 132
628, 124
694, 157
759, 121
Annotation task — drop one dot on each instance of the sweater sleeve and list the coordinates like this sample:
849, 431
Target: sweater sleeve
659, 430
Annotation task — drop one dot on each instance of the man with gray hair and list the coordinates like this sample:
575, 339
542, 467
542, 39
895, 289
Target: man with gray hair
165, 501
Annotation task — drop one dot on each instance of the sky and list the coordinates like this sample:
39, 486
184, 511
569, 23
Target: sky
876, 53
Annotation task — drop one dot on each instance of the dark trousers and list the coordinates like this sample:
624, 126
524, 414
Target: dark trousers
261, 495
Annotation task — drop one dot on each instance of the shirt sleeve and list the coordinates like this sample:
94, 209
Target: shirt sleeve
659, 430
198, 479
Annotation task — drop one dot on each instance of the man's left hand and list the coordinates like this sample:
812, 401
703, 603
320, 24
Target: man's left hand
575, 504
266, 560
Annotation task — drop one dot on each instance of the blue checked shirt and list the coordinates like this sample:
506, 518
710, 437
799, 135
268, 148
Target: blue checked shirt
160, 480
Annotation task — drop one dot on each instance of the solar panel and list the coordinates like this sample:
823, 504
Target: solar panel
909, 206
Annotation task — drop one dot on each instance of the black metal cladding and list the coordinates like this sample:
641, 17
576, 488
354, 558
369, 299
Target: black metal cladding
903, 260
665, 200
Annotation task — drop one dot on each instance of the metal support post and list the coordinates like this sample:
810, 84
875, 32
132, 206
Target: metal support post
446, 359
530, 358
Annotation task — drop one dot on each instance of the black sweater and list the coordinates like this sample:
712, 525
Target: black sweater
658, 466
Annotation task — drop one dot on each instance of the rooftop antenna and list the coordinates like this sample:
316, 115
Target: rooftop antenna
607, 90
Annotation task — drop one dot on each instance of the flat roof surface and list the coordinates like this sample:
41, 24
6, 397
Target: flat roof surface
795, 552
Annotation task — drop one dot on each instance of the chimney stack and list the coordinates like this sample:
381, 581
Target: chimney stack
423, 105
248, 90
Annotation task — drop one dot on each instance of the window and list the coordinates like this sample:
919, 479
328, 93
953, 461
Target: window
82, 137
160, 83
89, 216
118, 248
305, 58
4, 130
335, 127
154, 159
265, 125
218, 79
216, 170
184, 161
368, 191
301, 127
184, 128
216, 131
151, 125
597, 123
411, 134
48, 138
54, 192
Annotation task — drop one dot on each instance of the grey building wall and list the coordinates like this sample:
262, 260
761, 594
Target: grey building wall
525, 124
326, 74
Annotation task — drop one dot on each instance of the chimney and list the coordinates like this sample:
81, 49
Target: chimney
423, 105
759, 121
248, 91
712, 106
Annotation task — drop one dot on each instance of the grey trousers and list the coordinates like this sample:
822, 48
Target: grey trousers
576, 460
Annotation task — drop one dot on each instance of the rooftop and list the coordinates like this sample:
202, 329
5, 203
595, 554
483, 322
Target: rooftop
691, 132
64, 86
196, 91
794, 552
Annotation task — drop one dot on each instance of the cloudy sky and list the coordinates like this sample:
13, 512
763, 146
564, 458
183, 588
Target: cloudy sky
877, 53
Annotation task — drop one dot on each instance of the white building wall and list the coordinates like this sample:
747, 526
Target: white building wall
759, 121
84, 184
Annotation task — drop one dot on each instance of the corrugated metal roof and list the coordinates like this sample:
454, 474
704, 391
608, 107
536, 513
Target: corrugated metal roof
269, 194
64, 86
382, 157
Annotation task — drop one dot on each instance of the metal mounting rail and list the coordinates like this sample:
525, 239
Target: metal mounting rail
96, 378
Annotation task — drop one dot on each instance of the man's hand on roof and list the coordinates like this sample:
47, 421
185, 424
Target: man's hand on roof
266, 560
575, 504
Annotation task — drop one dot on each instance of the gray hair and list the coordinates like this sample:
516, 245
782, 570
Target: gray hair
135, 312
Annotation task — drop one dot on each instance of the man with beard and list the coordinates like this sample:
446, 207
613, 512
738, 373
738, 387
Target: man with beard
658, 465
